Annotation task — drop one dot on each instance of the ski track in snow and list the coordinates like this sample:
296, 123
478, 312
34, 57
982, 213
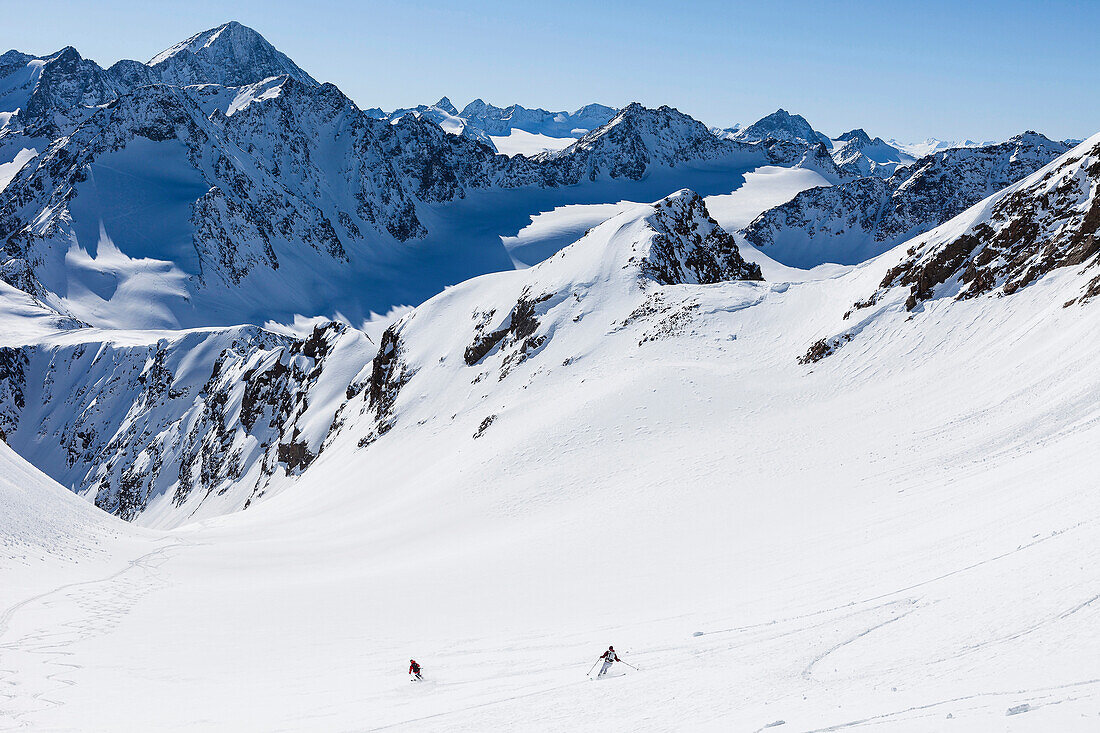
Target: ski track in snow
906, 713
95, 608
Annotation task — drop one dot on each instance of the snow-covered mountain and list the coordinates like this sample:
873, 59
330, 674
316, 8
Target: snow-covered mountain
232, 55
860, 219
781, 125
1045, 222
638, 139
51, 94
727, 131
635, 258
1043, 226
47, 93
857, 154
854, 494
513, 130
250, 191
444, 114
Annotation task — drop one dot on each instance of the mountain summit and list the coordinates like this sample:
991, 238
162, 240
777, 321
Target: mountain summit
231, 55
782, 125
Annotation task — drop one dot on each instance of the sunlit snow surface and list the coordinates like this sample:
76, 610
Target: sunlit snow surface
521, 142
10, 168
901, 537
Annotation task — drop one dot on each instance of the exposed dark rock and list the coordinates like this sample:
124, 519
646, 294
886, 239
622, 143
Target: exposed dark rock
13, 381
1029, 231
389, 373
484, 426
518, 331
482, 345
690, 247
823, 348
296, 456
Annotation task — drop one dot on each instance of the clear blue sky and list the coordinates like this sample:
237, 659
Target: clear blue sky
909, 70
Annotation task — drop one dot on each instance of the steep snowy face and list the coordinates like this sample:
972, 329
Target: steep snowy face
861, 219
819, 159
501, 121
163, 427
1048, 221
637, 277
782, 125
231, 55
45, 95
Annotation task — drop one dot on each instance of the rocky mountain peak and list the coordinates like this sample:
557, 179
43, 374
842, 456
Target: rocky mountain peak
690, 247
782, 125
445, 105
859, 135
231, 54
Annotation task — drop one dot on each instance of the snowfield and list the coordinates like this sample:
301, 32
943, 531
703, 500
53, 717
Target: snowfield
521, 142
366, 391
900, 536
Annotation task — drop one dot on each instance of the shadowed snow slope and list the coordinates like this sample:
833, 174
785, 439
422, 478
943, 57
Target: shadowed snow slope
615, 446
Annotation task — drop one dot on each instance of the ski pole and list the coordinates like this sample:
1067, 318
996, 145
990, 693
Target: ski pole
593, 666
631, 666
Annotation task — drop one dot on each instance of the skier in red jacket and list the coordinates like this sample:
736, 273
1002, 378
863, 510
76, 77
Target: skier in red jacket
414, 669
609, 657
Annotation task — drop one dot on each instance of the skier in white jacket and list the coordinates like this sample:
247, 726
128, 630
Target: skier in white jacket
608, 657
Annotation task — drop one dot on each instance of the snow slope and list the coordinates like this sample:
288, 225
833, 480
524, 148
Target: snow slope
59, 556
855, 496
900, 535
521, 142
